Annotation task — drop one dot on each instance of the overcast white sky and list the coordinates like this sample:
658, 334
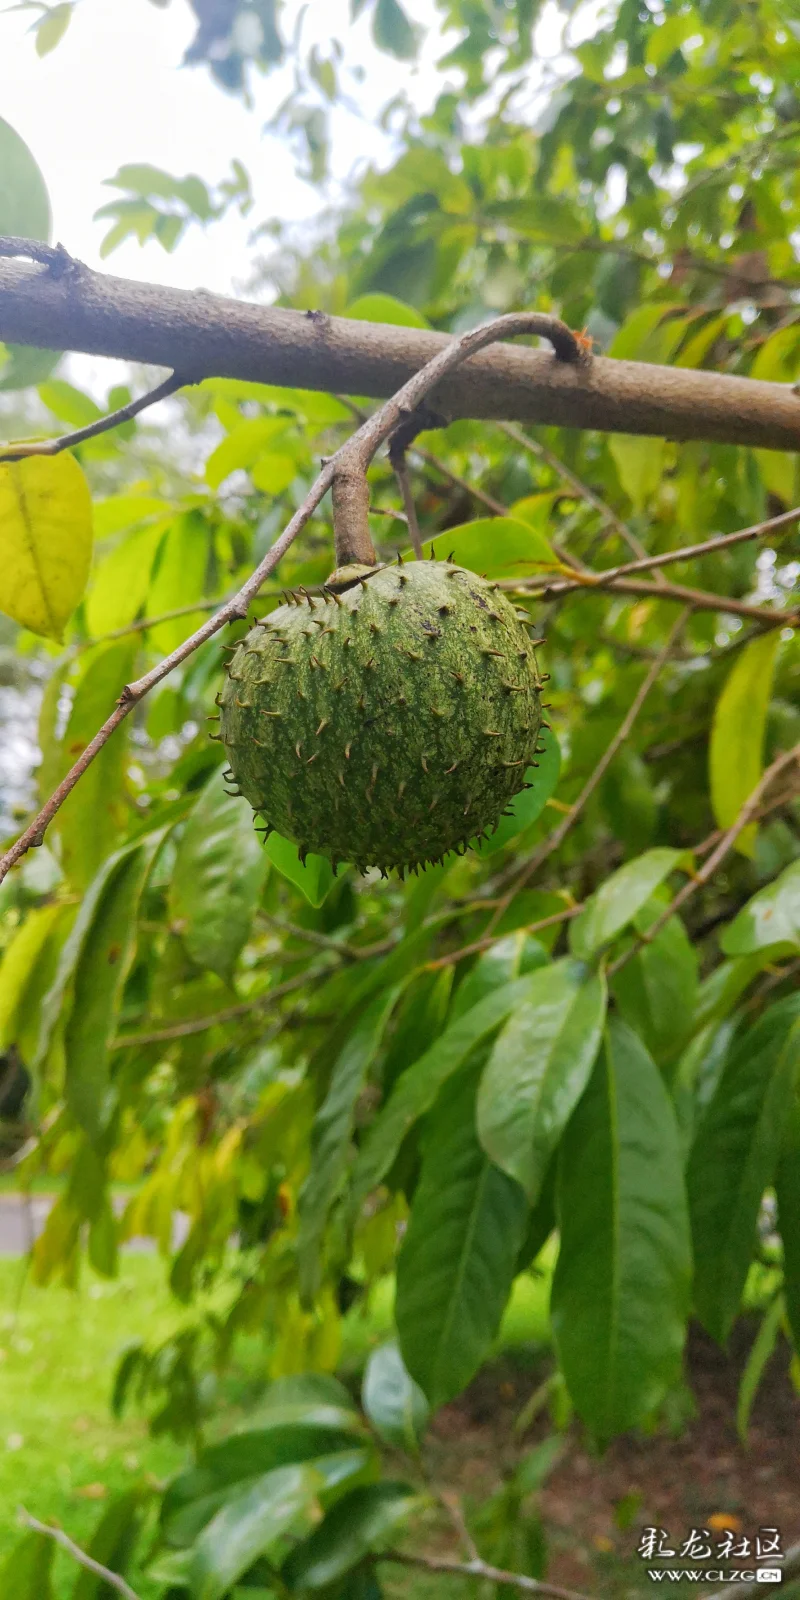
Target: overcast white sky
113, 92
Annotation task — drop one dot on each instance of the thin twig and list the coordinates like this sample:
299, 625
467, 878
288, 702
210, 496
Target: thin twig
775, 526
53, 447
555, 839
400, 465
698, 599
485, 944
183, 1030
746, 814
58, 1536
580, 489
483, 1571
484, 499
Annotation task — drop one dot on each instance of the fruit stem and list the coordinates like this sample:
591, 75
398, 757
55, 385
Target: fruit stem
352, 538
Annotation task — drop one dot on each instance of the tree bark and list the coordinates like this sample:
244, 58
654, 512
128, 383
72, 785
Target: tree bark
204, 335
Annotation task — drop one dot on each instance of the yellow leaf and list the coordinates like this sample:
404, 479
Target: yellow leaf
737, 734
45, 541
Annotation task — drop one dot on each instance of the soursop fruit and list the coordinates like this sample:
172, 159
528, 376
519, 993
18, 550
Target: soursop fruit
387, 724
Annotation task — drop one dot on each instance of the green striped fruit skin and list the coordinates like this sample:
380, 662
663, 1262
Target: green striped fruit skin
386, 725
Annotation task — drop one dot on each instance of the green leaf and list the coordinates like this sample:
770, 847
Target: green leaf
457, 1263
121, 581
529, 803
274, 472
787, 1191
314, 877
365, 1520
68, 403
25, 213
640, 465
394, 1403
217, 879
333, 1131
91, 819
621, 1286
614, 905
46, 521
107, 949
499, 546
250, 1525
52, 27
180, 577
112, 1543
760, 1352
392, 30
538, 1069
772, 917
242, 447
656, 991
419, 1085
27, 1572
737, 734
498, 965
19, 963
385, 308
734, 1156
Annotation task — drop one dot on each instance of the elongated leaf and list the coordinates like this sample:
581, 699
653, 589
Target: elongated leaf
787, 1191
365, 1520
393, 31
457, 1264
419, 1085
640, 465
281, 1502
762, 1348
19, 964
656, 991
394, 1403
734, 1157
498, 546
24, 212
772, 917
45, 541
333, 1131
100, 972
112, 1543
90, 821
217, 879
180, 577
737, 734
27, 1572
615, 905
121, 581
495, 967
314, 877
538, 1070
621, 1286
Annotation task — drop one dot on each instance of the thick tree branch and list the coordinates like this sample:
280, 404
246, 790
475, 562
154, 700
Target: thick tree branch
68, 307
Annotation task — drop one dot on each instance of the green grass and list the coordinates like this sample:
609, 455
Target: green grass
57, 1437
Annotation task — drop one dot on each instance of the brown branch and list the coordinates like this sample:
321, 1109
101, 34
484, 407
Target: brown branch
484, 1571
580, 489
184, 1030
58, 1536
697, 599
400, 465
483, 499
485, 944
775, 526
64, 306
555, 839
20, 451
747, 814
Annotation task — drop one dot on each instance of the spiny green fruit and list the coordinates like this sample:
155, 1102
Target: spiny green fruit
387, 724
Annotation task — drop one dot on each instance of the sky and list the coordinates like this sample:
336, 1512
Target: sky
114, 91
